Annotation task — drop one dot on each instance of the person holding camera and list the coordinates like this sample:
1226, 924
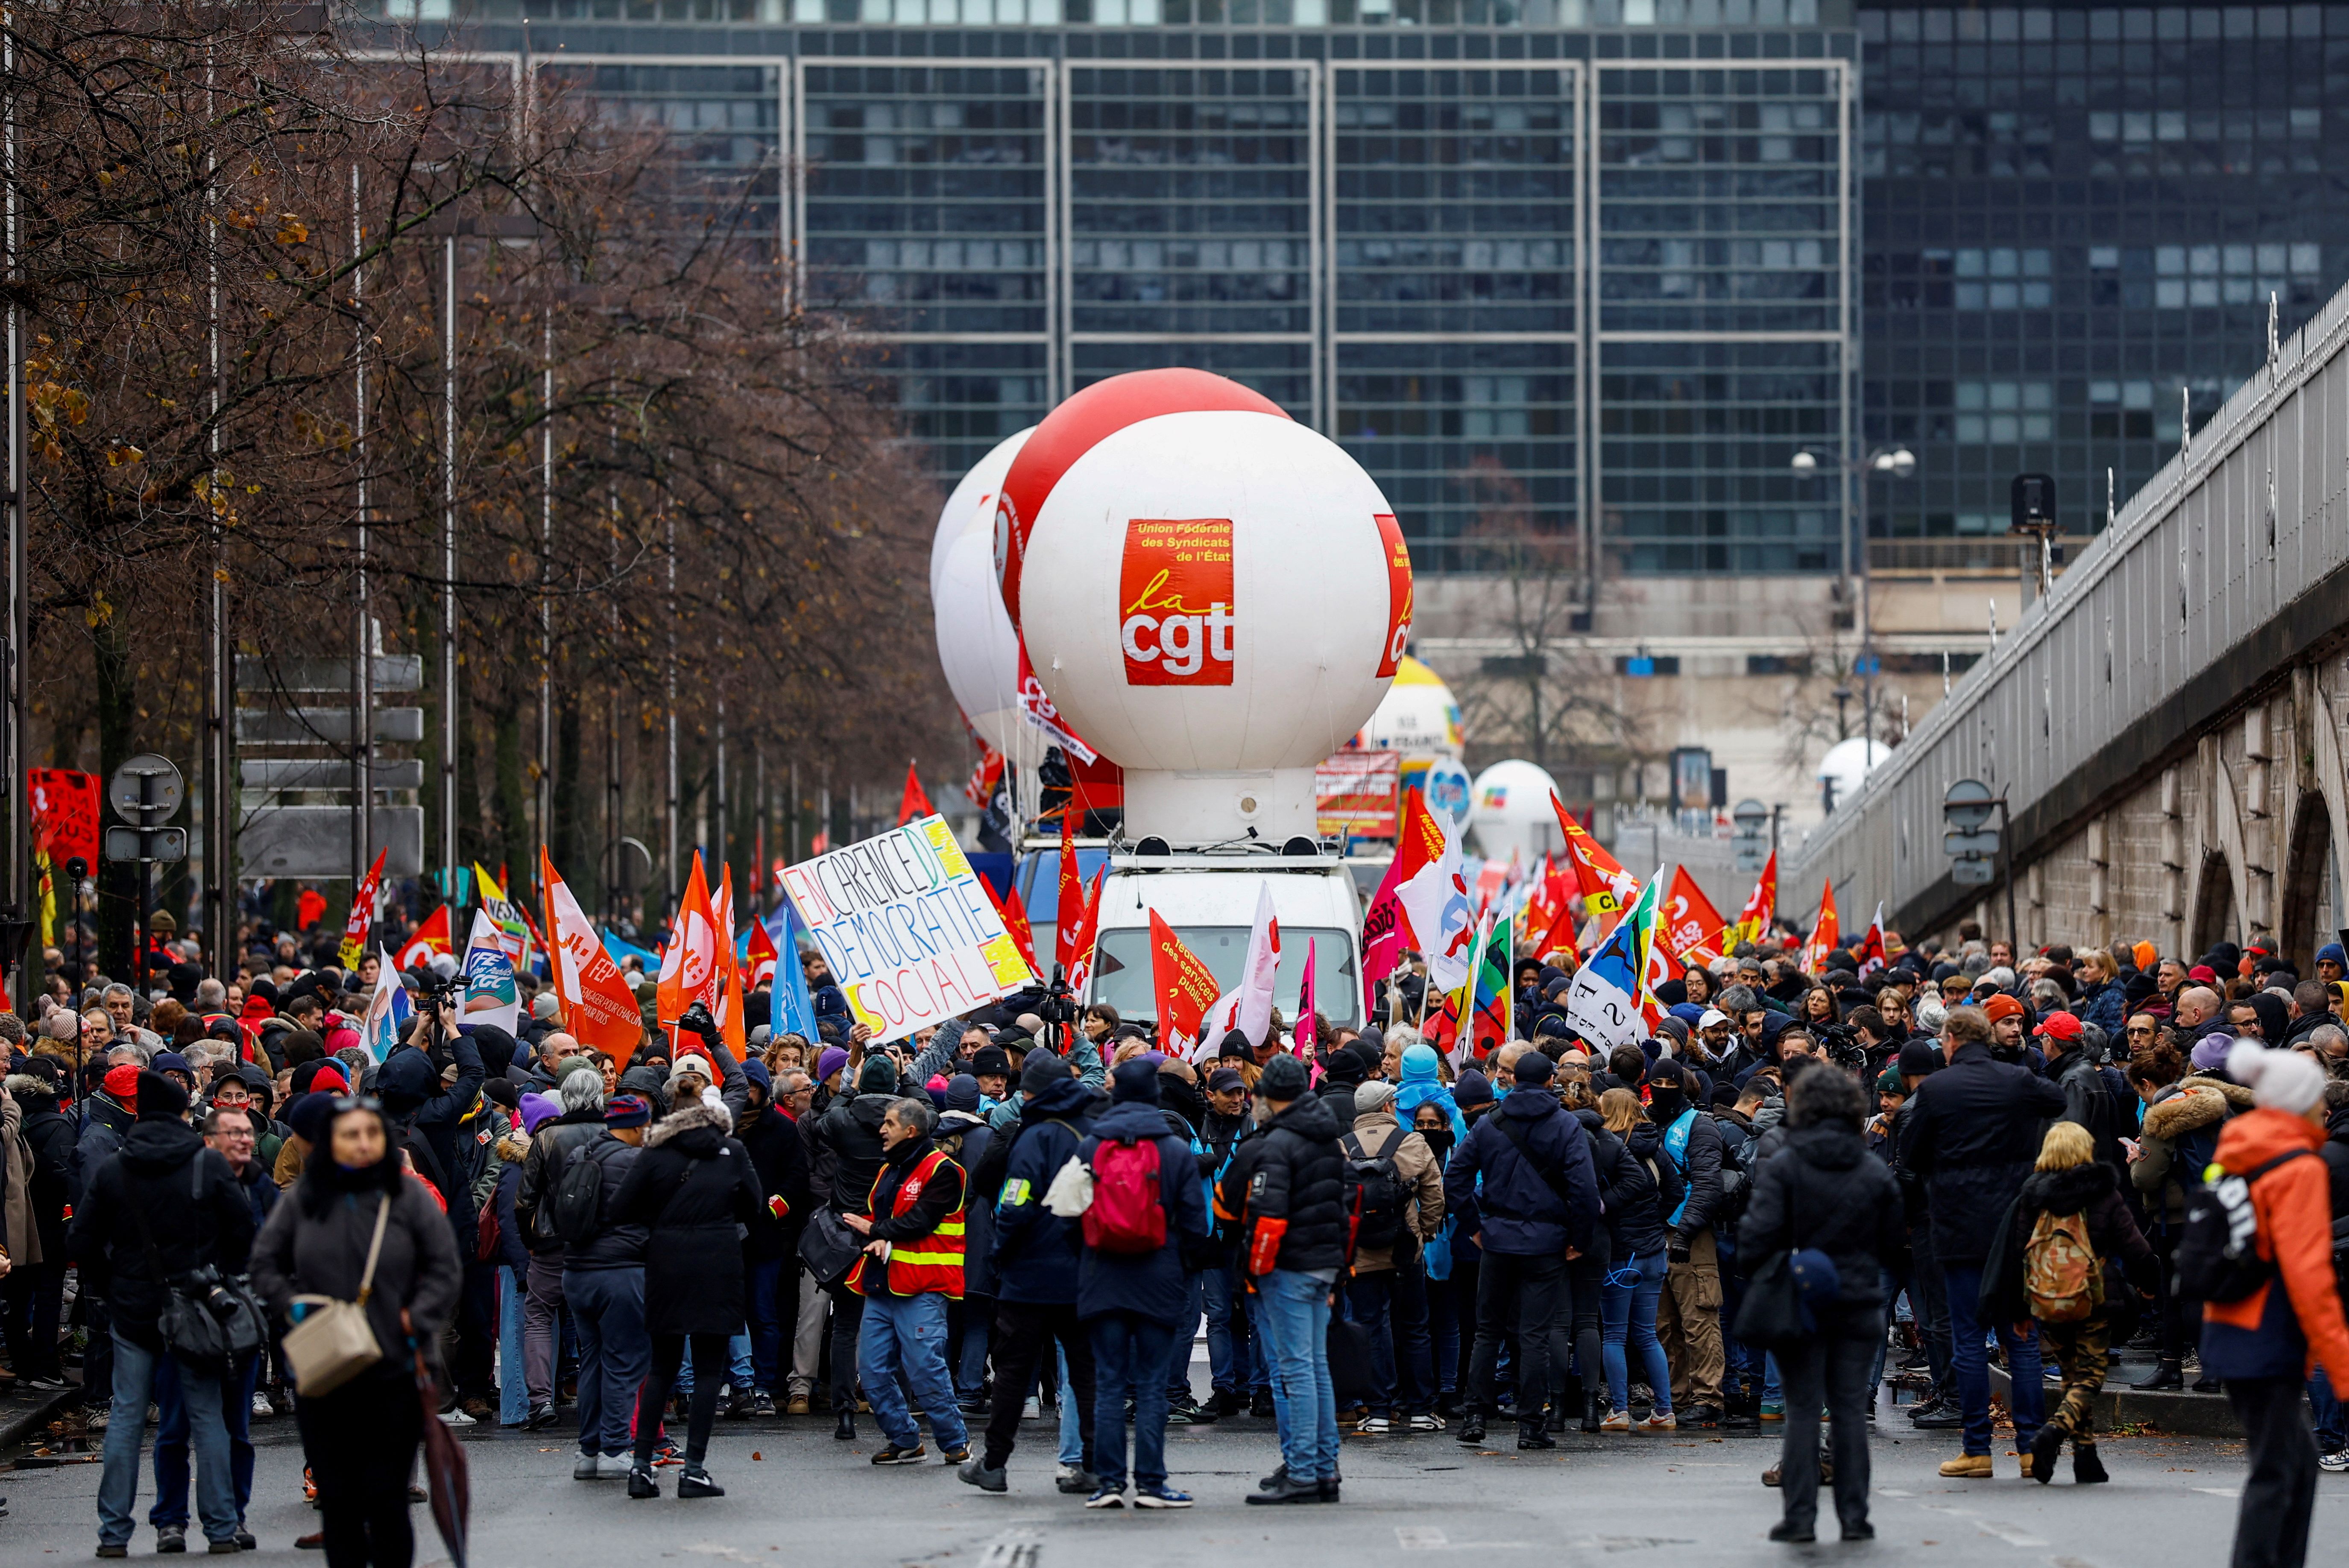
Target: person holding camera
155, 1215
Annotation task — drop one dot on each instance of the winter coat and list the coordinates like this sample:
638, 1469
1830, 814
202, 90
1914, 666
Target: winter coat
618, 1243
1698, 1168
193, 1214
554, 1142
1640, 1187
1971, 1132
1421, 1181
2281, 1332
1519, 1213
1292, 1171
302, 1252
260, 1192
851, 1133
968, 1139
2088, 1102
20, 1231
778, 1160
693, 1188
104, 1125
514, 1249
2177, 1141
2105, 1004
2091, 1189
407, 1078
1825, 1190
1150, 1284
1037, 1255
48, 1135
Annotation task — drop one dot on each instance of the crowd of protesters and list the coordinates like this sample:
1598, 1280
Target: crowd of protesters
1954, 1160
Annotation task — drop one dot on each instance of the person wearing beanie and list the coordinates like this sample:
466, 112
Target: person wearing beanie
965, 1136
2261, 1347
848, 1155
1290, 1196
1133, 1295
168, 1205
1402, 1211
603, 1278
1536, 1197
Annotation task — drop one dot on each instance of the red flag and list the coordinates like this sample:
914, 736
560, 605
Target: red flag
1606, 886
762, 955
917, 802
1825, 934
65, 810
1186, 988
1071, 901
362, 915
979, 787
1088, 932
431, 938
1013, 913
1761, 905
1870, 951
1692, 926
1386, 930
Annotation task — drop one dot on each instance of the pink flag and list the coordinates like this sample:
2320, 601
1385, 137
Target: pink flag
1305, 1030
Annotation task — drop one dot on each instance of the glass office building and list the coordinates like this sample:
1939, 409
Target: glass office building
1535, 262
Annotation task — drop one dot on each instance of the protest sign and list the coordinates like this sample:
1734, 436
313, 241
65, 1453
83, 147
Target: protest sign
907, 930
1354, 794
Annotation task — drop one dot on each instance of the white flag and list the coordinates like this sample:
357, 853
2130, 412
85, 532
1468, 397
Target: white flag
1442, 920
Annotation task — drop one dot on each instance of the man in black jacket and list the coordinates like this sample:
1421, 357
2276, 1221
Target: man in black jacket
162, 1208
1687, 1312
1539, 1206
850, 1136
1971, 1133
1292, 1194
771, 1247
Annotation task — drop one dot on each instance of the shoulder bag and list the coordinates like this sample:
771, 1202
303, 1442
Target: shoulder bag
334, 1343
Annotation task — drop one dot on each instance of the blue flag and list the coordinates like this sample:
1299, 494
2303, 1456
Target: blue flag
793, 1009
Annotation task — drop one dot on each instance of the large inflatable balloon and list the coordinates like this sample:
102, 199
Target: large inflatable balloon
1510, 809
976, 647
1213, 595
1417, 717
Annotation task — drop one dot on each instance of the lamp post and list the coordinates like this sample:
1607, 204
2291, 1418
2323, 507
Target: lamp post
1899, 462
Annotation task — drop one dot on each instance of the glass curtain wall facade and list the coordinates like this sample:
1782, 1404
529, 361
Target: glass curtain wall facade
1532, 264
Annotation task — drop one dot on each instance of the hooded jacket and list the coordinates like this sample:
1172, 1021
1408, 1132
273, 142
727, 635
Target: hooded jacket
692, 1188
1418, 1175
1823, 1189
1292, 1171
851, 1133
47, 1136
1971, 1132
193, 1214
2291, 1323
104, 1125
1038, 1255
2177, 1141
428, 1115
1519, 1212
1150, 1284
2091, 1189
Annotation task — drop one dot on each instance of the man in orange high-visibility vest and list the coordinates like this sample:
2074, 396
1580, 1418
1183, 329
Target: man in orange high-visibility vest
911, 1268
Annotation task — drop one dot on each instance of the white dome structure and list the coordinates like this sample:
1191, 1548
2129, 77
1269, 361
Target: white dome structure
1510, 811
976, 647
1418, 716
1847, 765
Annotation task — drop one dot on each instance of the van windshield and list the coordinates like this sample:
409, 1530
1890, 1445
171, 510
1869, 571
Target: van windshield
1122, 968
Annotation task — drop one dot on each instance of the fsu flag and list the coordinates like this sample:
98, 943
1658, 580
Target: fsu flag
691, 969
1184, 985
1692, 926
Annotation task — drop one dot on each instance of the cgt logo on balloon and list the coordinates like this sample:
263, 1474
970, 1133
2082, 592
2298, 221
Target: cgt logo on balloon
1175, 620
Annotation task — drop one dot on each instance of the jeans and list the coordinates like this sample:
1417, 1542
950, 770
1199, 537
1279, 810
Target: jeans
1830, 1367
1024, 1331
734, 1365
1626, 1314
770, 1313
970, 1345
608, 1304
2332, 1430
172, 1438
1226, 1328
126, 1433
1515, 1297
1129, 1355
1295, 1317
2280, 1492
514, 1381
907, 1334
1076, 1411
542, 1328
2026, 1395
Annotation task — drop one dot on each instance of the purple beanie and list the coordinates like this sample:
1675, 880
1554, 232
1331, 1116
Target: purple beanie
2211, 1055
828, 1061
537, 1110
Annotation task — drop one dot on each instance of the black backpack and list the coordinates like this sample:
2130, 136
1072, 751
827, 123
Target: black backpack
1737, 1175
2218, 1253
1381, 1188
579, 1195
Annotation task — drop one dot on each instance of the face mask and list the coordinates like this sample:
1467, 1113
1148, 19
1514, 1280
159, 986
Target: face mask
1665, 1105
1439, 1144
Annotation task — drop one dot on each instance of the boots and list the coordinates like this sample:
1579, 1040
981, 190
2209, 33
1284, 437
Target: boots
2087, 1470
1471, 1428
2166, 1374
1594, 1412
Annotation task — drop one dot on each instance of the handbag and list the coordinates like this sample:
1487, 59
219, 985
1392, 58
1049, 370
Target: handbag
828, 1247
209, 1320
1779, 1294
334, 1343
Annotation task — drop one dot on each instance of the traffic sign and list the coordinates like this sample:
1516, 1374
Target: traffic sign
1972, 873
123, 844
1967, 805
1971, 846
144, 788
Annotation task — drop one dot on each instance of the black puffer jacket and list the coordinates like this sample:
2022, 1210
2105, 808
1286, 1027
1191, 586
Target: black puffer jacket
1971, 1133
780, 1162
851, 1133
2091, 1189
534, 1199
1823, 1189
192, 1212
693, 1188
1294, 1171
1640, 1188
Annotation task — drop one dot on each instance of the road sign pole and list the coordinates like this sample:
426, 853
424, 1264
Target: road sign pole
146, 877
2006, 850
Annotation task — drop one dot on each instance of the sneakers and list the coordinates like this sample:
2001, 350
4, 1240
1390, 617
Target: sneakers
587, 1465
541, 1414
1286, 1488
798, 1406
1106, 1497
1774, 1409
112, 1549
642, 1482
1968, 1467
1660, 1421
763, 1404
1424, 1422
1374, 1426
891, 1454
954, 1455
2045, 1448
2334, 1463
1160, 1496
696, 1482
615, 1466
1616, 1421
171, 1538
1702, 1416
1031, 1410
455, 1418
974, 1472
1074, 1481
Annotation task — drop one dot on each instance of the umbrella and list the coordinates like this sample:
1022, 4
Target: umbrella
445, 1473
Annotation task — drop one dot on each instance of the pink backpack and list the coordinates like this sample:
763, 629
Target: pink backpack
1127, 1213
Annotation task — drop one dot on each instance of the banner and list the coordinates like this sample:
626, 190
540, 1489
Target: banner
906, 927
361, 919
599, 1010
1355, 794
491, 994
1399, 593
1184, 985
762, 955
65, 814
1013, 913
1870, 950
1038, 710
1068, 918
1493, 1001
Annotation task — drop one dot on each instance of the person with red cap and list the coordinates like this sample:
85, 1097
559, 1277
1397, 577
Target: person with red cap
107, 1114
2088, 1099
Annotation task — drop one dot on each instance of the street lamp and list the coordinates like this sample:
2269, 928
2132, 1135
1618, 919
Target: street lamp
1896, 462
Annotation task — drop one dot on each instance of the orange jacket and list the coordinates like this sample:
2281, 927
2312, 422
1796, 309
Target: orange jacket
2294, 1205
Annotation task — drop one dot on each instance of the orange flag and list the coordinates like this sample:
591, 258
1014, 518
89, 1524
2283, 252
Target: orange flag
1761, 905
1825, 934
1071, 903
599, 1008
917, 801
729, 1017
1692, 927
1185, 985
1606, 886
690, 970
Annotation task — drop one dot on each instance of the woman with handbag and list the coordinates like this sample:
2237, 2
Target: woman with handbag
1824, 1222
361, 1263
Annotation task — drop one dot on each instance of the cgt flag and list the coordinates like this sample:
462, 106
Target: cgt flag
1692, 927
362, 916
1088, 934
1760, 906
1825, 935
1606, 886
1184, 985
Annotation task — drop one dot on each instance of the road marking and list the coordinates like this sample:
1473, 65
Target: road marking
1892, 1491
2219, 1490
1427, 1538
2013, 1535
1013, 1549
